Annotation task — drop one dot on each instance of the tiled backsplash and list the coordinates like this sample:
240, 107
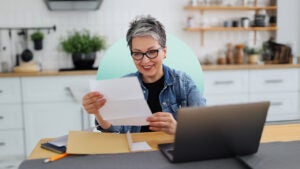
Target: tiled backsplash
111, 21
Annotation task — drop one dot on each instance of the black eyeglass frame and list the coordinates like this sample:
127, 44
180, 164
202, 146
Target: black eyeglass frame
146, 54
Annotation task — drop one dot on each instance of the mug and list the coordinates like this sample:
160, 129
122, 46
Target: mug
227, 23
245, 22
4, 67
235, 23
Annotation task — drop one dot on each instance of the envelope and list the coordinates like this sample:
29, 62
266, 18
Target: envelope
86, 142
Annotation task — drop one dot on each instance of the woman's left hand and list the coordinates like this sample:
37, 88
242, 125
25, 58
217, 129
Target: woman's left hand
162, 121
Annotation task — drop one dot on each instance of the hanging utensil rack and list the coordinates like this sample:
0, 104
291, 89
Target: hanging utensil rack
30, 28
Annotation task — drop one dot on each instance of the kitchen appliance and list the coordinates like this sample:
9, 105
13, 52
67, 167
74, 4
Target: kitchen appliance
259, 20
70, 5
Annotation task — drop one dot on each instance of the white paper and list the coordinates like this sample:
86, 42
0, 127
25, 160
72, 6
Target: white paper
60, 141
125, 101
63, 140
137, 146
140, 146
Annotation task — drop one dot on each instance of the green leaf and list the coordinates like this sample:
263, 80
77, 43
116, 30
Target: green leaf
82, 42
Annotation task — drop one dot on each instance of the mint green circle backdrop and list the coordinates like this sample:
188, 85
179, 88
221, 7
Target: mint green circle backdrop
117, 61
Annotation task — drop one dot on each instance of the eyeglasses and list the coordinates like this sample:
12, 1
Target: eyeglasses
151, 54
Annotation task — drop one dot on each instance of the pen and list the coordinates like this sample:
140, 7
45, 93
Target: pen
54, 158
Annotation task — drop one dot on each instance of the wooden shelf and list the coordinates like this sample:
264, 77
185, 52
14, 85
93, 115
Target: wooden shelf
189, 7
255, 8
269, 28
255, 29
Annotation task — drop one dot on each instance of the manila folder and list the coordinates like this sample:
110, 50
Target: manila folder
84, 142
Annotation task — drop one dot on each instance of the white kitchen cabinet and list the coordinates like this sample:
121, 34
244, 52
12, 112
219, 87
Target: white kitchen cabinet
11, 142
11, 120
273, 80
10, 90
8, 163
11, 116
280, 87
283, 105
218, 99
50, 109
225, 87
49, 120
52, 88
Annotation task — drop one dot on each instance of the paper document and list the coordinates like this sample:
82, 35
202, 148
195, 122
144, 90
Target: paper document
137, 146
60, 141
125, 101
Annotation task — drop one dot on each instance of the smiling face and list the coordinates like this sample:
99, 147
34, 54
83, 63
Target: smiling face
151, 69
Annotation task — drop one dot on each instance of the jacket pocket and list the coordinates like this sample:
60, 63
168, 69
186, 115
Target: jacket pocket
174, 108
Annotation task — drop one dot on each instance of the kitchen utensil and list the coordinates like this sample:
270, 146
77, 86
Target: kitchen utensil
26, 55
11, 48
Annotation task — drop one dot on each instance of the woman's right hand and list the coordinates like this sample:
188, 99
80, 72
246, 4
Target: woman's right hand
93, 101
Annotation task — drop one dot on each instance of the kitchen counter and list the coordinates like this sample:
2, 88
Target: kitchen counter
248, 66
49, 73
204, 67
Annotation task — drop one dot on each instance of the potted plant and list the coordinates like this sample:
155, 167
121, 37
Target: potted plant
83, 47
253, 54
37, 38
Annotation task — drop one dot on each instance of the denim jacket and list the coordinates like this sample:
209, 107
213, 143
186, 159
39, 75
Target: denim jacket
179, 91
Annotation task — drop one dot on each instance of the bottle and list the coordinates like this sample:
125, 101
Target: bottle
239, 54
189, 22
229, 54
193, 2
221, 60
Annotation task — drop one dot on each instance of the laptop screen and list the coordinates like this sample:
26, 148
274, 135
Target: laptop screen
219, 131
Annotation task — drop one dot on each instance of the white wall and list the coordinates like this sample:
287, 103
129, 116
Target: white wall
289, 28
112, 21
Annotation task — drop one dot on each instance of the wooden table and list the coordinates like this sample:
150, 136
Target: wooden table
285, 132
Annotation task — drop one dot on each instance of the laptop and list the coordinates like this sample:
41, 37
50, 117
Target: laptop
214, 132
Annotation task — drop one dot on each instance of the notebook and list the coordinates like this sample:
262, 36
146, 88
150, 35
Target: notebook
214, 132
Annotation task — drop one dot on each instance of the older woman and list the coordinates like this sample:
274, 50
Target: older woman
165, 89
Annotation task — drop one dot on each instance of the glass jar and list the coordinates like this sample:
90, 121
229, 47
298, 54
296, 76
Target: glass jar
239, 54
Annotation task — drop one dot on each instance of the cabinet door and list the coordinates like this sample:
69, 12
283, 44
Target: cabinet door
10, 90
11, 116
48, 120
10, 164
273, 80
53, 88
218, 99
11, 143
218, 82
284, 105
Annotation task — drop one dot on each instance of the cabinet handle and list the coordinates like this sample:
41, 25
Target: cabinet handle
274, 81
1, 117
276, 103
228, 82
2, 143
69, 92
